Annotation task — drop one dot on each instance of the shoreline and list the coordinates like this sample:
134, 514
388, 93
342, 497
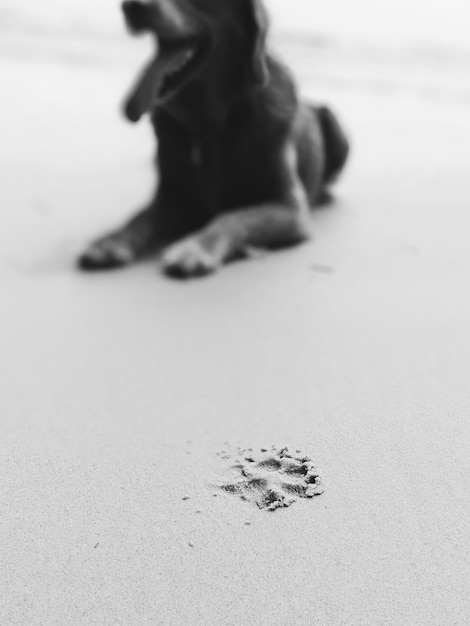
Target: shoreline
424, 71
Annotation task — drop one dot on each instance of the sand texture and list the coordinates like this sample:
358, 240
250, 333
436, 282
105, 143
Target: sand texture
118, 390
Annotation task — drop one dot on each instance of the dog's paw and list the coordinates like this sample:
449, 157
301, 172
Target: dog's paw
190, 257
107, 253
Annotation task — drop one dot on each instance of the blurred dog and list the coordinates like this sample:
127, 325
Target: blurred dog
240, 159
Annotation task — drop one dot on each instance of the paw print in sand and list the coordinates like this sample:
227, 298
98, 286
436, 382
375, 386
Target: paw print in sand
274, 480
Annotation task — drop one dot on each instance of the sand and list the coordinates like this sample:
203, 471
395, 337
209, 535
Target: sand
120, 392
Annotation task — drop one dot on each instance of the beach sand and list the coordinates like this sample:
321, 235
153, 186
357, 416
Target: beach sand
124, 395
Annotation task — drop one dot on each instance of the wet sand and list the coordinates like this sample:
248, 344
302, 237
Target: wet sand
122, 394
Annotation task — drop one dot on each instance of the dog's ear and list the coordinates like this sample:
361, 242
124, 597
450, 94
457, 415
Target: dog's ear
256, 21
139, 20
141, 98
137, 16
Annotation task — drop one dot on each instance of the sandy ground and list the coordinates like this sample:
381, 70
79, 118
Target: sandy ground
119, 392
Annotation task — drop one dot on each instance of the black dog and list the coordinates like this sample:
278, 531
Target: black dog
240, 159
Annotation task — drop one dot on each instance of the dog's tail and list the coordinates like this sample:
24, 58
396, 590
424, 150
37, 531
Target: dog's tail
336, 143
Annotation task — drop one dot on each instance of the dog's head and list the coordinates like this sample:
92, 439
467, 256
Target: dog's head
196, 39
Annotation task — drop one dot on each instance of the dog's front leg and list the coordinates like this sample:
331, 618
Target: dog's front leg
232, 235
124, 245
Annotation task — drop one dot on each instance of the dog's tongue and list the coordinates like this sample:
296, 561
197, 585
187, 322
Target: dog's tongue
144, 95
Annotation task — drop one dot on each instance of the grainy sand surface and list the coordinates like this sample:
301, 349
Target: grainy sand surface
120, 392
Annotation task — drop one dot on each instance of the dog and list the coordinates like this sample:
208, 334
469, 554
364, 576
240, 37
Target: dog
240, 159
